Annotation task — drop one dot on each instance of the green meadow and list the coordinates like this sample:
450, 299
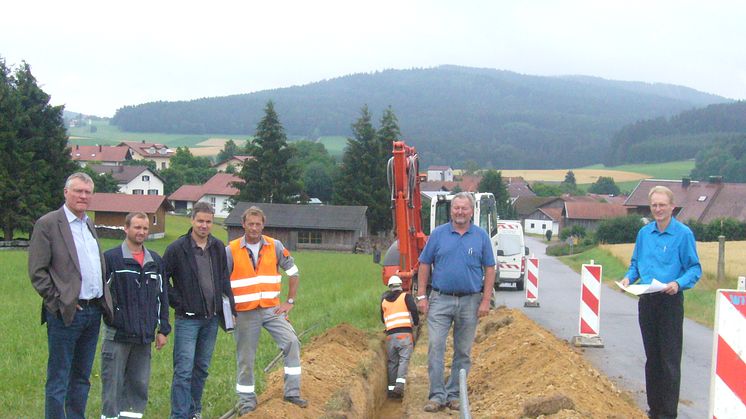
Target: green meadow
334, 288
668, 170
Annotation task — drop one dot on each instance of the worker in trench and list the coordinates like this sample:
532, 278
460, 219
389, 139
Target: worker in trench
399, 315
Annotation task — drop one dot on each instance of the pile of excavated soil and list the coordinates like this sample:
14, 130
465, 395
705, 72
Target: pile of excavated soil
519, 370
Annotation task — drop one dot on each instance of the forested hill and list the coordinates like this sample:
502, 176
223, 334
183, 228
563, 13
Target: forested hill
679, 137
452, 114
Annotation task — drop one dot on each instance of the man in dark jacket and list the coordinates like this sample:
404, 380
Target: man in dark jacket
197, 274
399, 314
139, 306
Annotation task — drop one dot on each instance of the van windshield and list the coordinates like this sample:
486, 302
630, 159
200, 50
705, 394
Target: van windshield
510, 244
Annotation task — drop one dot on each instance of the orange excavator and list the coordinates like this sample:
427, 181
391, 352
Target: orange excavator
406, 204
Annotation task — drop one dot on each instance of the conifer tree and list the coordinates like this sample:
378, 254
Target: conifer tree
33, 142
269, 176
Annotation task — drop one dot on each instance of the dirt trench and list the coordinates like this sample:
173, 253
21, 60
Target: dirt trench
519, 370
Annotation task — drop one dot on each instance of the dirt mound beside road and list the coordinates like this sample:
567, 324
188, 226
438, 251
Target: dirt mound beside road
519, 370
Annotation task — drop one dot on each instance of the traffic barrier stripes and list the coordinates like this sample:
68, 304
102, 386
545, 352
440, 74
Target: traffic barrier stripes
590, 307
532, 282
728, 376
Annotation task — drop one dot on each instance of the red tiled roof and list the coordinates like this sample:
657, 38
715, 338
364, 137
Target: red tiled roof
240, 159
593, 210
104, 153
187, 193
219, 184
116, 202
555, 214
142, 148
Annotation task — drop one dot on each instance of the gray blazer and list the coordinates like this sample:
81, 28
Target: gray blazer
53, 264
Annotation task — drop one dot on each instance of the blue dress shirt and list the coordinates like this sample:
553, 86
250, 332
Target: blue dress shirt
89, 257
669, 255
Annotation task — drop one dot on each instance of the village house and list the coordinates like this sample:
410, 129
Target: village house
235, 161
694, 200
102, 154
110, 210
134, 180
439, 174
588, 214
217, 191
159, 153
312, 227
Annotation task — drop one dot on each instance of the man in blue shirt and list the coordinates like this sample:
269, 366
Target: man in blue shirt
666, 251
459, 255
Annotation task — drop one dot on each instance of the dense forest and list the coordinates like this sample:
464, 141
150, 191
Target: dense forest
680, 137
452, 114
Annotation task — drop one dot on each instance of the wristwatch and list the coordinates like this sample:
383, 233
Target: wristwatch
421, 297
291, 301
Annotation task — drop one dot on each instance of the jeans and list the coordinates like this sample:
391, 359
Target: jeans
71, 353
194, 342
444, 311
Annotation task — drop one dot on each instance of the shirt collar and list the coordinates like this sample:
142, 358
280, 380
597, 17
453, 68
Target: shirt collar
245, 244
452, 230
673, 225
72, 217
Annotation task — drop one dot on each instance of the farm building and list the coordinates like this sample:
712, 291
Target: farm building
135, 180
110, 209
693, 200
313, 227
217, 191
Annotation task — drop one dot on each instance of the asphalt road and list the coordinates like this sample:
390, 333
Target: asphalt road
622, 358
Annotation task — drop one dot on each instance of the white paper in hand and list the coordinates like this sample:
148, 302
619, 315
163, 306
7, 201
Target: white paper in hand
639, 289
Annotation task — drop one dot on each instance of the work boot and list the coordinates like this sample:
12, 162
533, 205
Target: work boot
398, 391
296, 400
246, 409
453, 404
433, 406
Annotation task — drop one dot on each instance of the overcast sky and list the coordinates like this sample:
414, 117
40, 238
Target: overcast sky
97, 56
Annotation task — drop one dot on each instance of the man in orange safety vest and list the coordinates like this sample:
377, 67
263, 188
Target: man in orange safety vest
399, 314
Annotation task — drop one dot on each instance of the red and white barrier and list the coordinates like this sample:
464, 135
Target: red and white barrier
532, 282
728, 378
590, 306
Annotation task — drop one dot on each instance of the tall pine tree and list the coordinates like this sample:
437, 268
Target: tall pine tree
269, 177
33, 143
362, 177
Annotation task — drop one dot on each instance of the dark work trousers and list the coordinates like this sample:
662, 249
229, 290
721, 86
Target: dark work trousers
661, 319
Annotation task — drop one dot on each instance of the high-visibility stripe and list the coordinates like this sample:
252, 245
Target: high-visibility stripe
244, 389
401, 380
397, 316
264, 279
129, 271
292, 370
292, 271
394, 323
107, 417
256, 296
391, 388
130, 415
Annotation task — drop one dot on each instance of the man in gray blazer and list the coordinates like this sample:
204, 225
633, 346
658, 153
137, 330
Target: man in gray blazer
66, 268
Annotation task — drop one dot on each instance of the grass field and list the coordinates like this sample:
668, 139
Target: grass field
110, 135
700, 300
668, 170
334, 288
335, 145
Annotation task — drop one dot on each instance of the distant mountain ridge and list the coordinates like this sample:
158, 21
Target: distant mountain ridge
452, 114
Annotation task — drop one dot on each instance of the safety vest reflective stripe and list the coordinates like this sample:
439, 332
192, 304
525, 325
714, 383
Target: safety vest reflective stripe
401, 380
244, 389
130, 415
292, 370
256, 296
395, 313
255, 286
264, 279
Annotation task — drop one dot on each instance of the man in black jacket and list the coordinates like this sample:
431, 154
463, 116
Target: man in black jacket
139, 306
197, 274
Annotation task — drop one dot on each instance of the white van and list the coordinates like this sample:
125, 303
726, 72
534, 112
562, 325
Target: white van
511, 253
